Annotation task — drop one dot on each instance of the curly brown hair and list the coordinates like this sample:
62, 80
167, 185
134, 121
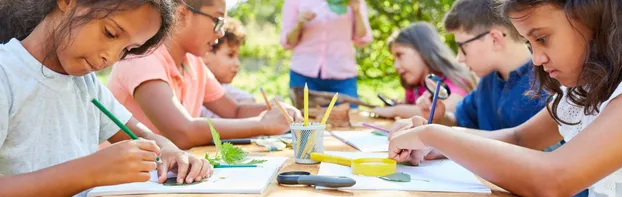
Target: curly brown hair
234, 34
602, 69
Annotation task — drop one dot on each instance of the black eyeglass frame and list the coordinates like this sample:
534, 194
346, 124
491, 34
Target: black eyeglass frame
219, 22
479, 36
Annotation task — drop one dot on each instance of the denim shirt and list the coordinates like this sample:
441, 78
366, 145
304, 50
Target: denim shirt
499, 104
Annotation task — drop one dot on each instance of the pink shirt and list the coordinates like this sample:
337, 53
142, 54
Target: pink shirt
192, 88
326, 42
413, 94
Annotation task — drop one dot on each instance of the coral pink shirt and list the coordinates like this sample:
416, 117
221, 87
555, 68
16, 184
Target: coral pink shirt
327, 42
192, 88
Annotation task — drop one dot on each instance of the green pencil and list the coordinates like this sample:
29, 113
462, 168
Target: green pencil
116, 121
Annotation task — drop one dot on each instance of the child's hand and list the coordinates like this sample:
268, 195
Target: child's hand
386, 112
189, 168
405, 145
275, 123
425, 104
400, 125
305, 17
124, 162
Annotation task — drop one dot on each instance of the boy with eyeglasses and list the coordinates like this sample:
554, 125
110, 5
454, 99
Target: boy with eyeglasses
166, 89
492, 48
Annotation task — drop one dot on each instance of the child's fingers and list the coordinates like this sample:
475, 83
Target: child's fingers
404, 155
148, 156
417, 156
148, 145
297, 115
148, 166
206, 170
418, 121
142, 177
163, 171
195, 169
182, 169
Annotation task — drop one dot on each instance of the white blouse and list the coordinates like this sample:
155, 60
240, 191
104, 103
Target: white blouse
611, 185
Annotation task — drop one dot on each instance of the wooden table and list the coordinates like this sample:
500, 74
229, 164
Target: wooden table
330, 144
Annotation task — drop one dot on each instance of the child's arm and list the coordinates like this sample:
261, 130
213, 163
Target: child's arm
125, 162
173, 121
590, 156
228, 107
65, 179
402, 110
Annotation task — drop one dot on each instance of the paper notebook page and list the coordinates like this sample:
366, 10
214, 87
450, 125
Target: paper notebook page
365, 141
435, 176
224, 180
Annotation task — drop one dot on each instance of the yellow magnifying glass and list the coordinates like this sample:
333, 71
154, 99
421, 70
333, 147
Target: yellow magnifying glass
362, 166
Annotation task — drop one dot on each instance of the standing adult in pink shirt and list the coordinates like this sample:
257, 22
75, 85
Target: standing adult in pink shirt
322, 35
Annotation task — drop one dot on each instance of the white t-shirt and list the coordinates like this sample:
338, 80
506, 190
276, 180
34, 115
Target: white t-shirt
47, 118
611, 185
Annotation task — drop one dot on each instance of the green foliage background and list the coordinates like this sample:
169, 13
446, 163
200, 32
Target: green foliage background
266, 64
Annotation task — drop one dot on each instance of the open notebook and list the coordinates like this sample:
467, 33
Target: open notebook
224, 181
365, 141
435, 176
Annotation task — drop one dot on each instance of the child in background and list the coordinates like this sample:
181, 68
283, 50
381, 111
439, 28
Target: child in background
576, 44
418, 51
223, 60
49, 129
167, 89
491, 47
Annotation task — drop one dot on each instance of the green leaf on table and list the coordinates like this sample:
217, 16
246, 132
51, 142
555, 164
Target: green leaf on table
213, 160
397, 177
215, 135
226, 152
231, 154
255, 162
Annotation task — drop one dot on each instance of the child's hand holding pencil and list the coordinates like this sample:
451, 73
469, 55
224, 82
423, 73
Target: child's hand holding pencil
123, 162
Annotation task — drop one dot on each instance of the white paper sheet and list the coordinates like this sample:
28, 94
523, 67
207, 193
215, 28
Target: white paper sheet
365, 141
435, 176
224, 181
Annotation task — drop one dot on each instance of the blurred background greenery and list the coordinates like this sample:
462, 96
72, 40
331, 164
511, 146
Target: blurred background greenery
265, 64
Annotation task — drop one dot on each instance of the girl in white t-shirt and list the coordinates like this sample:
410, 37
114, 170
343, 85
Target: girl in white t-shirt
576, 44
49, 129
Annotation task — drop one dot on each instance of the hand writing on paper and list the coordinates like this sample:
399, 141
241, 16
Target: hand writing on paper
405, 144
425, 104
189, 168
124, 162
275, 122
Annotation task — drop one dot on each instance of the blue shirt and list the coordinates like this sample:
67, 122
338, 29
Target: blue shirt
499, 104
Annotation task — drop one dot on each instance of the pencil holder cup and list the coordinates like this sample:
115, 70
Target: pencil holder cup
306, 140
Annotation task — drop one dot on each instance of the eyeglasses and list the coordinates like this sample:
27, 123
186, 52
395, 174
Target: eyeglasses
461, 44
219, 22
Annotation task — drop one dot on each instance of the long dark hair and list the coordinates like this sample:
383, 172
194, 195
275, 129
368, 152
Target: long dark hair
19, 18
602, 70
437, 56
